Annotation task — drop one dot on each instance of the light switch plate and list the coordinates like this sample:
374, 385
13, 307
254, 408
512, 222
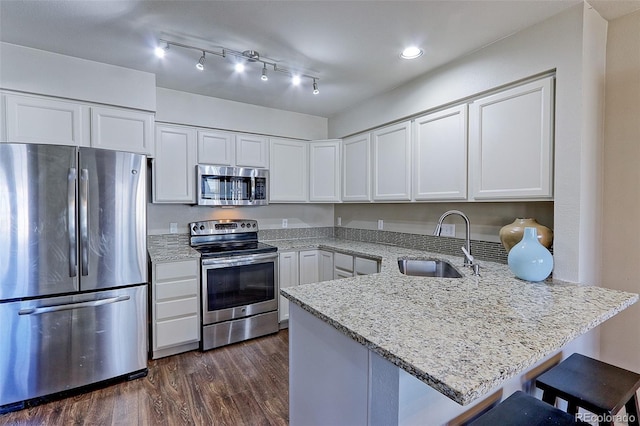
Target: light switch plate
448, 230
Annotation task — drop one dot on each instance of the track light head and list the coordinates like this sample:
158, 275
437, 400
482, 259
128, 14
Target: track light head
315, 87
239, 67
295, 80
200, 64
161, 49
264, 76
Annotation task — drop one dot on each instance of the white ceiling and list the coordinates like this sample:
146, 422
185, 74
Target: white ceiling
352, 46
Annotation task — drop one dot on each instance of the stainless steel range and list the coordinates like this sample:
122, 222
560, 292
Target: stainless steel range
239, 281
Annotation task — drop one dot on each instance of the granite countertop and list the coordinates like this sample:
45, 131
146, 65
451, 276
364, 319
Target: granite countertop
462, 336
170, 248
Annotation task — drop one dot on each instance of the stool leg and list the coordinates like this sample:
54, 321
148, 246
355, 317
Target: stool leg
549, 397
632, 410
572, 408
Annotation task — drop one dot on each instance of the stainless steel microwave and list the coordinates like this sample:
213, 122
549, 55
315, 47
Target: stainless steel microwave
232, 186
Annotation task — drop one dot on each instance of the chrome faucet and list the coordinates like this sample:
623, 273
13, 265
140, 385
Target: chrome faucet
468, 259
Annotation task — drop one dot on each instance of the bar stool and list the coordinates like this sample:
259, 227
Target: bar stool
596, 386
522, 409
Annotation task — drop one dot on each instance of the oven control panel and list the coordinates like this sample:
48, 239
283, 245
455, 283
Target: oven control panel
223, 226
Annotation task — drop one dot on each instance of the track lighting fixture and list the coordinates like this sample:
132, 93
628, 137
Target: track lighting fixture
161, 49
243, 59
200, 64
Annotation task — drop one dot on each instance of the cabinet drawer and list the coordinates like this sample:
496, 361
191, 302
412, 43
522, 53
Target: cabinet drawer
177, 331
338, 274
343, 261
365, 266
177, 308
174, 270
174, 289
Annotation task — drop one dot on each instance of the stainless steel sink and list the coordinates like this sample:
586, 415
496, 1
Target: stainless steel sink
428, 268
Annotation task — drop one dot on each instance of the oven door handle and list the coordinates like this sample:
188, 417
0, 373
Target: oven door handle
221, 262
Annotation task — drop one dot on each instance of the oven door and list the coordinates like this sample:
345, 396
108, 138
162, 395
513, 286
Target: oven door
239, 286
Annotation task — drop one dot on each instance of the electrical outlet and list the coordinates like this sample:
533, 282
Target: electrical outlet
380, 224
339, 221
173, 228
285, 223
448, 230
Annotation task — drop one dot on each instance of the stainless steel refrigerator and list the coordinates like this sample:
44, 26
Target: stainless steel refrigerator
73, 274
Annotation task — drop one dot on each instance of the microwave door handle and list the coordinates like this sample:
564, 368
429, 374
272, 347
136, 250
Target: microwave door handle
71, 222
84, 228
252, 196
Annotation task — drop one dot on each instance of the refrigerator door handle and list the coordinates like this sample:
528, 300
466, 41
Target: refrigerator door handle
71, 219
70, 306
84, 226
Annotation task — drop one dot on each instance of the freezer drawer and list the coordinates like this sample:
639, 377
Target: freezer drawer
55, 344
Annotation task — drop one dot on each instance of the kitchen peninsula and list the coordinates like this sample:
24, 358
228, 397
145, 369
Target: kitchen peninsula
385, 348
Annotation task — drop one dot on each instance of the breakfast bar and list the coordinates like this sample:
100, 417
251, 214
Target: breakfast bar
389, 348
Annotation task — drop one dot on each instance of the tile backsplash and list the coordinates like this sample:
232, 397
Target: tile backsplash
486, 250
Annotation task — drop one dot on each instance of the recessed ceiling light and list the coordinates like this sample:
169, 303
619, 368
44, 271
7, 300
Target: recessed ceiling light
411, 52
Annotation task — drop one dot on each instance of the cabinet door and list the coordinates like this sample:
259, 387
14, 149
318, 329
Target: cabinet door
288, 172
216, 148
309, 272
440, 155
252, 151
288, 277
511, 143
325, 265
364, 266
122, 130
356, 168
31, 119
324, 171
392, 163
174, 166
343, 265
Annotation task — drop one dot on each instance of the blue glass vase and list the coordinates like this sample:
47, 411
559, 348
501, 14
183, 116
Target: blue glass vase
529, 260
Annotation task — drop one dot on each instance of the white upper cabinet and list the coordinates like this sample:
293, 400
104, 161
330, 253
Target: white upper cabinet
392, 163
252, 151
356, 168
511, 143
216, 147
174, 172
31, 119
123, 130
440, 155
324, 171
288, 171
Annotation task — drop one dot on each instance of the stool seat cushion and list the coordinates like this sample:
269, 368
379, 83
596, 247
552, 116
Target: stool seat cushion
521, 409
594, 385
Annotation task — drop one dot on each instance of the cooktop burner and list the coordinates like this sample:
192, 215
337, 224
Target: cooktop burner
227, 237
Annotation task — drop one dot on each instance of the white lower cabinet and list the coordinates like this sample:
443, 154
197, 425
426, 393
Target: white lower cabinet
309, 266
288, 277
364, 266
175, 307
325, 265
343, 264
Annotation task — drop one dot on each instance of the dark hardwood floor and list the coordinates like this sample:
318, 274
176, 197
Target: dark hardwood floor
242, 384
